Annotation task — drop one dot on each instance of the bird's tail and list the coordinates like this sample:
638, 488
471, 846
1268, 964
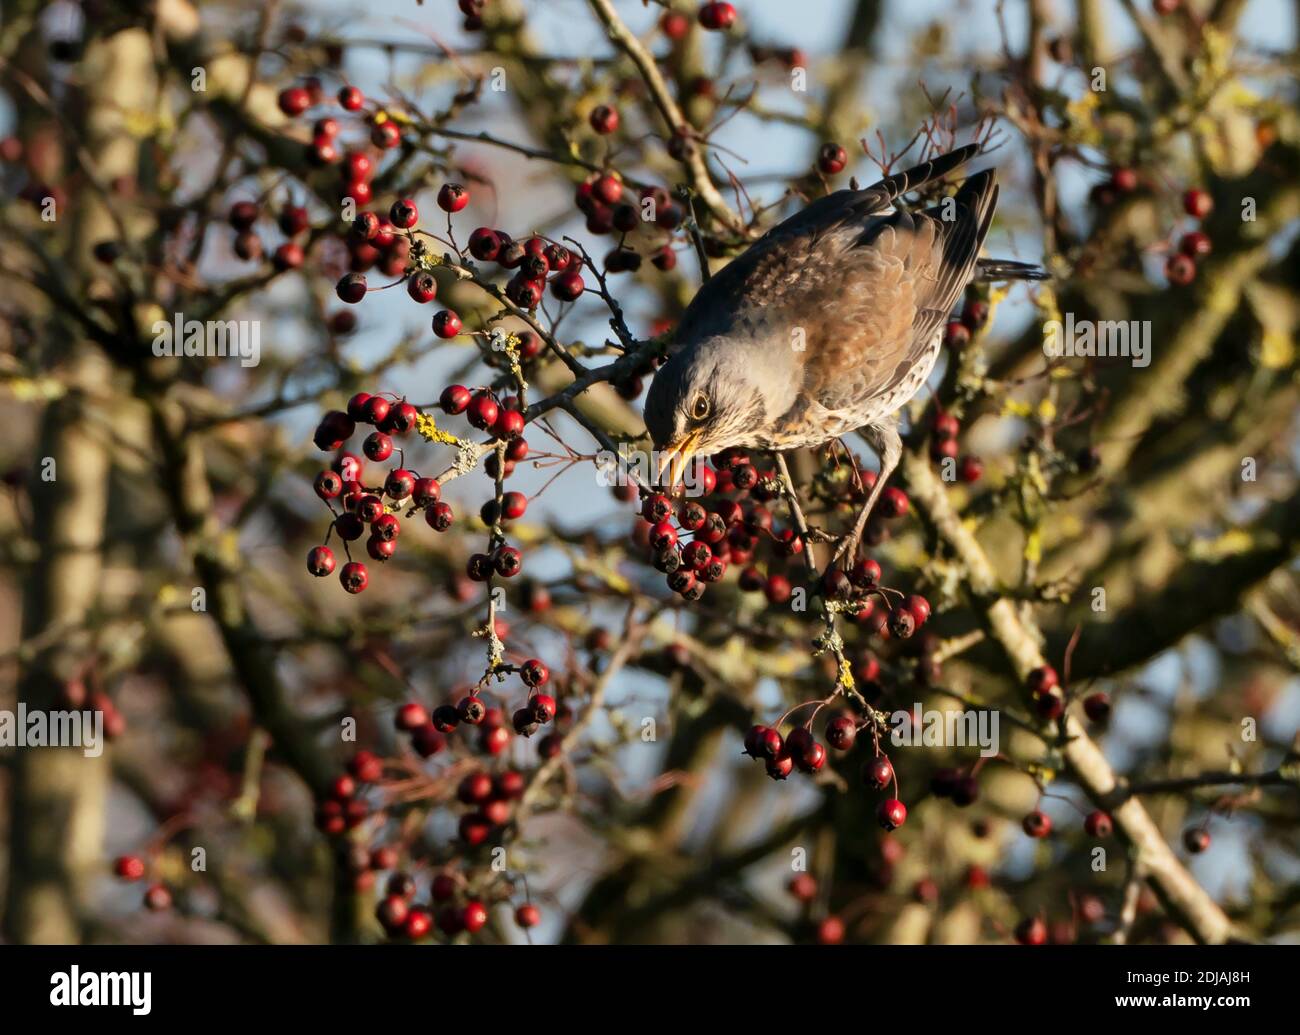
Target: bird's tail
1008, 269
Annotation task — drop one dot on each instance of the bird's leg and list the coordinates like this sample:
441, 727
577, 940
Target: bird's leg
883, 438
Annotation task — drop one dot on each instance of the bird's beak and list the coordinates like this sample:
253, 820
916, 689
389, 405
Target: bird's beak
675, 457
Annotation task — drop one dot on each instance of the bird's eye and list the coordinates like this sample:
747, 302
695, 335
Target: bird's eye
700, 407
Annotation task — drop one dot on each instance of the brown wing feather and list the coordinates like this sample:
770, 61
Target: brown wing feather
799, 252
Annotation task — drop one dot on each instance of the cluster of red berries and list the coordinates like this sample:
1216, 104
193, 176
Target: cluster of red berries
1180, 266
157, 897
533, 261
364, 507
944, 446
611, 207
729, 522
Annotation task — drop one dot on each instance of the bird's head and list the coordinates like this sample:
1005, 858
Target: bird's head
708, 398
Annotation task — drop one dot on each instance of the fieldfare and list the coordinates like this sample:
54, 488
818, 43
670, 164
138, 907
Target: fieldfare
829, 323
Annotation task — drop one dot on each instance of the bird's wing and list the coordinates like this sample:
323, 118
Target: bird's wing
898, 285
798, 253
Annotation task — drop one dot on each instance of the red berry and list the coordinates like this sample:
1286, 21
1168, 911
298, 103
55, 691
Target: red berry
455, 399
893, 502
608, 188
1124, 180
351, 288
956, 335
452, 197
354, 577
567, 286
439, 517
715, 16
528, 915
129, 867
1042, 679
675, 25
385, 135
891, 814
377, 446
1180, 269
508, 425
446, 324
1098, 824
970, 469
404, 214
320, 561
1037, 824
1196, 840
157, 898
513, 504
422, 287
831, 931
483, 411
351, 98
474, 917
411, 716
1197, 203
841, 732
534, 673
485, 244
1097, 706
604, 119
832, 159
1031, 931
294, 100
1195, 244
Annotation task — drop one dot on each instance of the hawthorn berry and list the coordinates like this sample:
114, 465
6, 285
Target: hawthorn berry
507, 562
777, 589
439, 517
446, 324
1124, 179
294, 100
385, 135
320, 561
1099, 824
1180, 269
354, 577
474, 917
455, 399
893, 502
970, 469
427, 741
1196, 840
129, 867
351, 99
485, 244
351, 288
494, 740
452, 197
901, 623
534, 673
717, 16
878, 773
157, 898
1042, 679
1097, 706
1037, 824
400, 483
568, 286
675, 25
603, 119
891, 814
1031, 931
543, 708
832, 159
802, 887
780, 767
508, 425
831, 931
422, 287
404, 214
1195, 244
483, 411
528, 915
1197, 203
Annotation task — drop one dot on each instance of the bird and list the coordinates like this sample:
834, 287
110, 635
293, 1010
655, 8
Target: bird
828, 324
